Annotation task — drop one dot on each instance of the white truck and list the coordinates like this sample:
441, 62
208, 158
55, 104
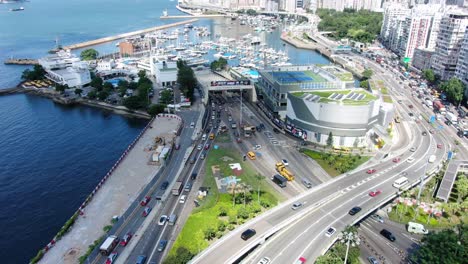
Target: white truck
451, 117
432, 158
416, 228
109, 244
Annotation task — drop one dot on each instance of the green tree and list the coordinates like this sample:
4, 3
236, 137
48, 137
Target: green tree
92, 94
97, 83
132, 102
166, 97
222, 226
37, 73
367, 74
328, 259
210, 233
89, 54
251, 12
364, 84
462, 187
60, 88
182, 256
218, 64
156, 109
122, 91
186, 79
454, 89
102, 95
243, 213
445, 247
429, 75
78, 91
223, 211
108, 86
142, 74
330, 140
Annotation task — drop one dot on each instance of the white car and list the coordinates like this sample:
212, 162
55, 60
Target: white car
199, 147
192, 125
264, 260
296, 205
410, 160
330, 231
377, 218
285, 162
257, 147
162, 220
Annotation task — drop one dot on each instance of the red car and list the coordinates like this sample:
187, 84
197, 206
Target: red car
301, 260
146, 211
439, 146
145, 200
370, 171
207, 146
410, 106
125, 239
375, 193
396, 160
110, 259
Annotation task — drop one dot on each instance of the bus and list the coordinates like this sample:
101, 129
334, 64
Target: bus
400, 182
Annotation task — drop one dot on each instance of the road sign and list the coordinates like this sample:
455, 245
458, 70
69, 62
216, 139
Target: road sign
449, 155
432, 119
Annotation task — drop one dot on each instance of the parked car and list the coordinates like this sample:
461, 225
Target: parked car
162, 220
125, 239
145, 200
375, 193
146, 211
354, 210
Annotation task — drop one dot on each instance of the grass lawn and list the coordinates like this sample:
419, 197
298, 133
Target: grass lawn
345, 77
207, 214
316, 77
330, 169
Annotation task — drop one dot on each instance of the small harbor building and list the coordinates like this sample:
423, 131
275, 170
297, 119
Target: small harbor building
65, 68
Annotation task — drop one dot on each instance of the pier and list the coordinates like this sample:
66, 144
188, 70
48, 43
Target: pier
126, 35
192, 16
21, 62
10, 90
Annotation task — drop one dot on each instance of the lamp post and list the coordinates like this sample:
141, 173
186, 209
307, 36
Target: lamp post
349, 237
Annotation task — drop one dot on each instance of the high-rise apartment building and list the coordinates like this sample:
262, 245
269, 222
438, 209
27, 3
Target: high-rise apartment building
449, 43
461, 71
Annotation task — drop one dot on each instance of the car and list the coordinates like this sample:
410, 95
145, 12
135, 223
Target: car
432, 131
162, 245
145, 200
257, 147
162, 220
410, 160
413, 149
330, 231
354, 210
182, 198
424, 133
388, 235
276, 130
301, 260
439, 146
396, 160
230, 119
370, 171
410, 106
377, 218
199, 147
202, 156
141, 259
264, 260
296, 205
110, 259
248, 234
125, 239
285, 162
146, 211
207, 146
164, 185
192, 125
375, 193
372, 260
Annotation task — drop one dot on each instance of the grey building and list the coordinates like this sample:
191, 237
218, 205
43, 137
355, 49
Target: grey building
422, 59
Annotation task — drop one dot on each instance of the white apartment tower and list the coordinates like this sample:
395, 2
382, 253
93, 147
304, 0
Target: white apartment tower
449, 43
461, 72
393, 13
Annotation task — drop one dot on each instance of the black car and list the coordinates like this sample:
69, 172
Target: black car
164, 185
355, 210
424, 133
387, 234
248, 234
276, 130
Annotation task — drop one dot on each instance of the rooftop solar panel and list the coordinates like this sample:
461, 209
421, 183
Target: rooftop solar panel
339, 97
350, 95
361, 97
354, 96
332, 96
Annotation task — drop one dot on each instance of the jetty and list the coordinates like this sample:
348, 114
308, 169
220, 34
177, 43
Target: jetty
192, 16
10, 90
126, 35
21, 62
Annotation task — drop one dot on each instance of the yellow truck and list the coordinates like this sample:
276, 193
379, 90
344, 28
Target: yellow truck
284, 172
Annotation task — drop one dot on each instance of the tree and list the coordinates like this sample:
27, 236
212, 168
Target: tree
328, 259
367, 74
92, 94
37, 73
78, 91
243, 213
166, 97
210, 233
223, 211
156, 109
430, 76
364, 84
454, 89
219, 64
445, 247
330, 140
462, 187
132, 102
182, 256
102, 95
251, 12
60, 88
97, 83
89, 54
142, 74
108, 86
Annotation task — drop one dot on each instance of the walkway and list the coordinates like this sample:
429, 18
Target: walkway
450, 176
114, 197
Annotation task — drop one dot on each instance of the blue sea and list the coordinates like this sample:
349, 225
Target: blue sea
52, 156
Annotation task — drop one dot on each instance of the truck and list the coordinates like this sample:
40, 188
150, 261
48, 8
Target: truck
177, 188
281, 169
233, 125
438, 106
416, 228
432, 158
451, 117
109, 244
280, 180
177, 142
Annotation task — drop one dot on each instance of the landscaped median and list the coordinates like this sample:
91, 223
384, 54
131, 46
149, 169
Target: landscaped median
336, 164
220, 212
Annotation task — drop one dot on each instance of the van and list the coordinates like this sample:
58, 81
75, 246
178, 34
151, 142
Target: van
400, 182
212, 135
307, 183
432, 158
251, 155
248, 234
416, 228
172, 219
203, 137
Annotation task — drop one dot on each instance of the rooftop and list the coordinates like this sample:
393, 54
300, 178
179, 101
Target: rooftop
346, 97
294, 77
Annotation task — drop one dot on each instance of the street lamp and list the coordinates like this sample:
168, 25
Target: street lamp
348, 237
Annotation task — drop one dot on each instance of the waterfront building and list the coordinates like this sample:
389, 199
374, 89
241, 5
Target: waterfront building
449, 43
461, 71
105, 65
66, 68
165, 72
422, 59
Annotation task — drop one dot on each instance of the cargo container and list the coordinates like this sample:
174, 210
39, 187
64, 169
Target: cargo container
109, 244
177, 188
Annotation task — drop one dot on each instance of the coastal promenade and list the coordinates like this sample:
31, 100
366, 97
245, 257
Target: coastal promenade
192, 16
126, 35
115, 193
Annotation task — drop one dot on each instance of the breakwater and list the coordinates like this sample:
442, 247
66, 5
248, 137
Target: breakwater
126, 35
21, 62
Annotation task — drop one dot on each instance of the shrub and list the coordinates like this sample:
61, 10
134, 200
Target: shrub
38, 257
222, 226
231, 227
223, 211
107, 228
233, 219
243, 213
210, 233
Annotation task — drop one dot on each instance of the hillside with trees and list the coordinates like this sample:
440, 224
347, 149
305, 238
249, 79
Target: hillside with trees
362, 25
